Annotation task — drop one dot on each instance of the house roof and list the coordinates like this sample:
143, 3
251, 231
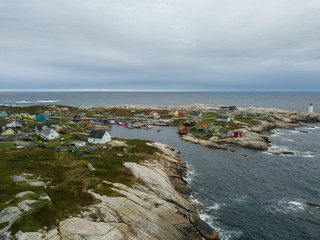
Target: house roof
97, 134
48, 124
224, 131
31, 113
47, 131
195, 113
222, 117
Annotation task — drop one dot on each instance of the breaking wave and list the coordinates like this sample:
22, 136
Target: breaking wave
190, 175
288, 206
48, 101
223, 234
287, 152
23, 102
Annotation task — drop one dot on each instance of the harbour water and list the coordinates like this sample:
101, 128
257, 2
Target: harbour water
289, 100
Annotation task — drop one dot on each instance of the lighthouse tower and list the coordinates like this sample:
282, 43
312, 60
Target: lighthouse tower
311, 108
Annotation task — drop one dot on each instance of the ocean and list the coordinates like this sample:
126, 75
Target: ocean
283, 100
245, 194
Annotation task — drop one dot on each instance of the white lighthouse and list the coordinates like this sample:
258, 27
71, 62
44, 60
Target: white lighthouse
311, 108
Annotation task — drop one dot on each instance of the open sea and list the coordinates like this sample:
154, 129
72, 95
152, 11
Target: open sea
288, 100
245, 194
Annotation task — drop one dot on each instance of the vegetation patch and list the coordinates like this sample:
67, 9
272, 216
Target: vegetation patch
68, 180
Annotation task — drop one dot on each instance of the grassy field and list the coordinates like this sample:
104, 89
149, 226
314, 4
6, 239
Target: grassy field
68, 180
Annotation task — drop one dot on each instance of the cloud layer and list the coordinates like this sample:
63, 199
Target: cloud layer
167, 44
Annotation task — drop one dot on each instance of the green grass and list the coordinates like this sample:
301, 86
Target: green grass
6, 145
70, 180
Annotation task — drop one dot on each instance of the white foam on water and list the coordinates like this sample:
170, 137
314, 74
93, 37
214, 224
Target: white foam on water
215, 206
223, 234
294, 131
278, 150
288, 139
288, 206
48, 101
195, 201
311, 128
23, 101
190, 175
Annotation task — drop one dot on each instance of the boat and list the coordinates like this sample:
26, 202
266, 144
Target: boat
147, 127
113, 122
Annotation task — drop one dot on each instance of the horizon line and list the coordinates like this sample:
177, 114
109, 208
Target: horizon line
144, 90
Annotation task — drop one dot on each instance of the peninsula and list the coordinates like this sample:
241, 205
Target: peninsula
57, 182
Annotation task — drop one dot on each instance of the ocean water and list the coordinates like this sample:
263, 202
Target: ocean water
249, 194
288, 101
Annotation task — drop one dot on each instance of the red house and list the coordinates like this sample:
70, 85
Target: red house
183, 130
67, 114
237, 134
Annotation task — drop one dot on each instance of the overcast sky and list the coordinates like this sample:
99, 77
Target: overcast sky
160, 44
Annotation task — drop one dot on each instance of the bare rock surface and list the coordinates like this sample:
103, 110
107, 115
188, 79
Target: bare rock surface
151, 210
206, 143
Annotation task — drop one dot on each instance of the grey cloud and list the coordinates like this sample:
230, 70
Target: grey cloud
205, 44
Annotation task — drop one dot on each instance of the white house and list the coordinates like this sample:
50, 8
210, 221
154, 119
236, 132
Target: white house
99, 137
49, 133
14, 124
224, 118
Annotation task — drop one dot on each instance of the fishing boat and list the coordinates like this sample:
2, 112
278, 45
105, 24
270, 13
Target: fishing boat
147, 127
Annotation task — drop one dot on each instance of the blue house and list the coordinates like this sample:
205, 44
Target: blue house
42, 117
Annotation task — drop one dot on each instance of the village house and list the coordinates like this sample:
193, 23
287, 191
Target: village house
81, 112
29, 115
195, 114
3, 114
53, 125
227, 108
225, 133
14, 115
183, 130
42, 117
204, 126
237, 134
14, 124
97, 113
8, 131
174, 113
154, 114
138, 114
76, 118
99, 137
65, 109
67, 114
49, 133
224, 118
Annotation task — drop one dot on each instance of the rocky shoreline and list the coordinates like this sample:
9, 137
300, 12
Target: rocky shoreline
155, 209
256, 137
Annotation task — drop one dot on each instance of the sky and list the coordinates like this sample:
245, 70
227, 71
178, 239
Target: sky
213, 45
